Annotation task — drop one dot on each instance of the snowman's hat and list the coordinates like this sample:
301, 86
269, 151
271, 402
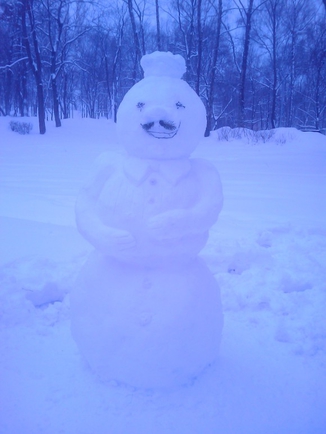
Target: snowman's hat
163, 64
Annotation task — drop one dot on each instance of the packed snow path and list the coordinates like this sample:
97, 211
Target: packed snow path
267, 251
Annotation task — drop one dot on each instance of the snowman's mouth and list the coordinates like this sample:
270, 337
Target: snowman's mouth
161, 129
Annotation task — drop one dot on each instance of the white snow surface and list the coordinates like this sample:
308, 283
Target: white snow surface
267, 252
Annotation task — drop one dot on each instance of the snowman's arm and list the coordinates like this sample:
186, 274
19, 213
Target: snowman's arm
86, 204
108, 240
210, 201
201, 216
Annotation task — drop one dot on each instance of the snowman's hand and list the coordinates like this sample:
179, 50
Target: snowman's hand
118, 240
170, 224
109, 240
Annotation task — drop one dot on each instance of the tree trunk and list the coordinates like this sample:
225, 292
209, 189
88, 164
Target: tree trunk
292, 78
136, 37
55, 90
8, 91
210, 100
22, 89
108, 89
55, 103
158, 28
37, 65
244, 65
65, 96
319, 66
273, 12
40, 106
199, 46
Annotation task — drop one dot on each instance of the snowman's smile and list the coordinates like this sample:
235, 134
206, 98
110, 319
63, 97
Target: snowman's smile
161, 129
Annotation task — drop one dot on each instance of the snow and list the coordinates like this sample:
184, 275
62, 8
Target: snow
267, 252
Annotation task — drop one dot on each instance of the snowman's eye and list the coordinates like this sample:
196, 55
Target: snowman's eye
180, 105
140, 105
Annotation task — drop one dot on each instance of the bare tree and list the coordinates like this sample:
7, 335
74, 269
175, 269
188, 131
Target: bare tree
270, 35
115, 65
199, 45
63, 27
273, 14
184, 13
298, 18
32, 46
314, 103
55, 15
158, 25
247, 14
272, 58
211, 84
135, 36
7, 30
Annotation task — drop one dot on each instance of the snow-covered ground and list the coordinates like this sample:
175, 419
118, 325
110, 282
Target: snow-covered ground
267, 251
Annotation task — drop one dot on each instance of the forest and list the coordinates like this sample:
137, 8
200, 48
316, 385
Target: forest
258, 64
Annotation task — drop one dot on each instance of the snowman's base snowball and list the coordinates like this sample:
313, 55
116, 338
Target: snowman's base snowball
146, 327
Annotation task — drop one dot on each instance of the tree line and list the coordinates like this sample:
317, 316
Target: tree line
255, 63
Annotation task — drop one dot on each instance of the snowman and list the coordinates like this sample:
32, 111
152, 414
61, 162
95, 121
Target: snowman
146, 310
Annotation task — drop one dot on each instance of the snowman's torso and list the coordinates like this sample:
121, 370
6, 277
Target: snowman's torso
140, 189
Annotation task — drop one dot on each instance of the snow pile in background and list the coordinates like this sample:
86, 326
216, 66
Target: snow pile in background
267, 251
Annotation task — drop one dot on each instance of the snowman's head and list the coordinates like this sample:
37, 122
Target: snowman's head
161, 116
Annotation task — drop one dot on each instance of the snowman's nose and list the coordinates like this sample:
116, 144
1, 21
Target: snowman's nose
155, 112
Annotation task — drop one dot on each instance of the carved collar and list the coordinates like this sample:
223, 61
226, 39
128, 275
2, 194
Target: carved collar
138, 170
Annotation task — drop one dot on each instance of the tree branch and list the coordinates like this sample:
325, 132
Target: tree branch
14, 63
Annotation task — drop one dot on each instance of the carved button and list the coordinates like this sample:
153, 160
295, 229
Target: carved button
153, 181
145, 319
147, 284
